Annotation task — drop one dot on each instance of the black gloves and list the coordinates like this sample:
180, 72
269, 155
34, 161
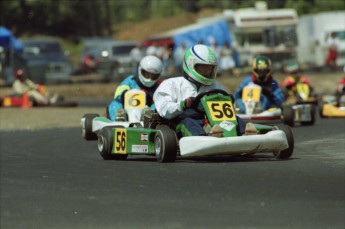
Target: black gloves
187, 103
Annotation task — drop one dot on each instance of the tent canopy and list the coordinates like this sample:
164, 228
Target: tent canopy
201, 32
8, 40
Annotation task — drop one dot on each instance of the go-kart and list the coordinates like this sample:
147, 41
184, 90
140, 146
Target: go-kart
157, 137
332, 107
288, 114
304, 103
134, 105
14, 100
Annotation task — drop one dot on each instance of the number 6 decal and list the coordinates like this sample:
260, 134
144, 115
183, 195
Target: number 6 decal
120, 141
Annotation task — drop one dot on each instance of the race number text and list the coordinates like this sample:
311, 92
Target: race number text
221, 110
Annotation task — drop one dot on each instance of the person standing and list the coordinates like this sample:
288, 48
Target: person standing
332, 47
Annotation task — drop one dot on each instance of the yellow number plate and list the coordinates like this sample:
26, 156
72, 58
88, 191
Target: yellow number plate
120, 140
135, 99
252, 94
221, 110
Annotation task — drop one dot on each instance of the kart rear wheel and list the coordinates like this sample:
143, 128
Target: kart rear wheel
165, 144
286, 153
288, 115
321, 110
106, 142
312, 115
86, 129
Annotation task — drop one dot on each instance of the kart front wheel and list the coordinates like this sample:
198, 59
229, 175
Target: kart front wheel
321, 107
86, 128
286, 153
288, 115
105, 144
312, 115
165, 144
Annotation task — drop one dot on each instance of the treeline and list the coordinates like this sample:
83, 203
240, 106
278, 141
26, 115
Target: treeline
75, 18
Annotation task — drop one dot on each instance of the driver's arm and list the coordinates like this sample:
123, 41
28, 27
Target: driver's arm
166, 100
278, 96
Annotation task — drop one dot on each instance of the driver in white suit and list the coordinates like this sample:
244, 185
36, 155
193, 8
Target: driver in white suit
174, 97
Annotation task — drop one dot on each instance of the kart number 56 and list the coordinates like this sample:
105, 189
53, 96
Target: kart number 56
221, 110
120, 141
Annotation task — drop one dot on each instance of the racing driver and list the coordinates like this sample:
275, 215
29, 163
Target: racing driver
146, 79
174, 97
272, 95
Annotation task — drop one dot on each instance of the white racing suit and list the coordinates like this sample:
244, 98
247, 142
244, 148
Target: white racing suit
170, 96
20, 87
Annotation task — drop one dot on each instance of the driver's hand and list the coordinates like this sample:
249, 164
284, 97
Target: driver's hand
188, 103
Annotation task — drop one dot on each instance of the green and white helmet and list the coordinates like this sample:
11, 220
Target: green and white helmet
195, 57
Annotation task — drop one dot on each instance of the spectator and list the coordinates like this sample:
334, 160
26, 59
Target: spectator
227, 62
179, 53
136, 55
332, 46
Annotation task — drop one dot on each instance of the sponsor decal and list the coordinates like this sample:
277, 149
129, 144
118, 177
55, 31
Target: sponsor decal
144, 137
140, 148
227, 125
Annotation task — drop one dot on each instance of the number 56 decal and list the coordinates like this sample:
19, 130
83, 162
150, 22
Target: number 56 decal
120, 139
221, 110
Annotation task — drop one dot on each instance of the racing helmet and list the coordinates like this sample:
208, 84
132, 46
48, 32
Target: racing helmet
20, 74
200, 64
292, 68
149, 70
262, 69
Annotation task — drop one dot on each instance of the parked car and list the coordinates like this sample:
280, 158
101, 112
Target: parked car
45, 61
108, 57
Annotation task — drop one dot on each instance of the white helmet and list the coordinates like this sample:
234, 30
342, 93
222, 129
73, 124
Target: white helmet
200, 55
150, 64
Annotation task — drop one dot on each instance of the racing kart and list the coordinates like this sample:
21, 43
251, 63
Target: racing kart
134, 105
331, 107
288, 114
303, 103
14, 100
157, 136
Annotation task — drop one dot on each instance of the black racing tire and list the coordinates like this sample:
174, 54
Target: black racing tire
286, 153
106, 142
312, 115
165, 144
288, 115
86, 132
321, 106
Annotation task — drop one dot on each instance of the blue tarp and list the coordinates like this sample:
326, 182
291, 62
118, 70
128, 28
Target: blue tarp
217, 31
8, 40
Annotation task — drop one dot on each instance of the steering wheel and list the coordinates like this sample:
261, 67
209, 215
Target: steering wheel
206, 93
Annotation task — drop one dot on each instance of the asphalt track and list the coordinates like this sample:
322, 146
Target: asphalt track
55, 179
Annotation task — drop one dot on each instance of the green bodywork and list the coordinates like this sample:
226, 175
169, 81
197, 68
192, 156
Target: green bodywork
224, 110
220, 112
133, 140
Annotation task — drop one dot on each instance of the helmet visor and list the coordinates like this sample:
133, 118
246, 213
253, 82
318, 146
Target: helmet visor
149, 75
206, 70
262, 74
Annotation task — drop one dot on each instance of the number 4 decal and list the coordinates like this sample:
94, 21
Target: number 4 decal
120, 141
